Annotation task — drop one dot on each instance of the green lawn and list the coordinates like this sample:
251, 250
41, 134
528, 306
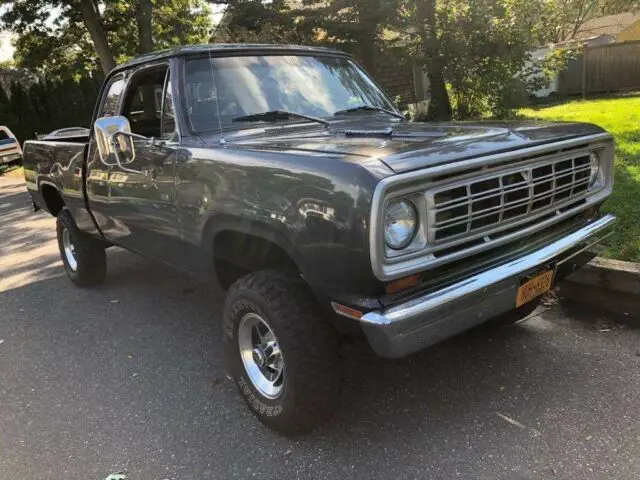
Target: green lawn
621, 117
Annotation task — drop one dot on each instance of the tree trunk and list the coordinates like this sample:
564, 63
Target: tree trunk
144, 11
94, 25
368, 52
439, 103
368, 34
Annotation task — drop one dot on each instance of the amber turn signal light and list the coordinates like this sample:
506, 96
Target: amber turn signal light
346, 311
403, 283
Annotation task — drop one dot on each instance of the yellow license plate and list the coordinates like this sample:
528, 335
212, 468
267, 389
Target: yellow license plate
534, 287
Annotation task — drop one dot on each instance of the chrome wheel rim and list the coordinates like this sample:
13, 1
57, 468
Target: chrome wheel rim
261, 355
69, 250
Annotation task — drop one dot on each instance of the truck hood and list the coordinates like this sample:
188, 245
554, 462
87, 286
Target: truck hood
410, 146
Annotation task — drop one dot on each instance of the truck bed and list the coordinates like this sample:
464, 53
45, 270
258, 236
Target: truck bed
53, 170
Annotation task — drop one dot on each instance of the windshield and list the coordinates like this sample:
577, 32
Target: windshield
315, 86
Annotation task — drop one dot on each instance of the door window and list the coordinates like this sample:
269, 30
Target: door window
110, 104
143, 102
168, 114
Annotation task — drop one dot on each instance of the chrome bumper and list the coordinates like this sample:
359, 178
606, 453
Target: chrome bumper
12, 157
418, 323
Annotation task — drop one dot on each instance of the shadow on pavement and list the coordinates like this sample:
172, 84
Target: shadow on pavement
118, 374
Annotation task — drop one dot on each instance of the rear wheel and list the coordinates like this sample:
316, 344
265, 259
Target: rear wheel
284, 358
83, 256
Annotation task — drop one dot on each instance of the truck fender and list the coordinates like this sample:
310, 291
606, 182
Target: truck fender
220, 223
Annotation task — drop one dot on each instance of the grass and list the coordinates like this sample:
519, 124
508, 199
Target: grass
11, 170
621, 117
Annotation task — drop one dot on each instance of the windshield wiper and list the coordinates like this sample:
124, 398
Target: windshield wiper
275, 115
369, 108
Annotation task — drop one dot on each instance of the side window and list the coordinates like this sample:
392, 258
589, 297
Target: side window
143, 101
168, 114
110, 104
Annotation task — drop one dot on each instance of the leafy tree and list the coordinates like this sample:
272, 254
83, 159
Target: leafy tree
253, 21
27, 118
488, 44
32, 18
473, 52
430, 34
356, 25
90, 34
7, 117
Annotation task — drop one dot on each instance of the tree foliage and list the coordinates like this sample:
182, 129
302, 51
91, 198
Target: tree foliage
65, 46
252, 21
476, 53
486, 44
356, 25
44, 106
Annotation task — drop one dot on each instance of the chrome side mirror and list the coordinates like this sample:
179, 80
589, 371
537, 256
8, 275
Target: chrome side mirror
104, 128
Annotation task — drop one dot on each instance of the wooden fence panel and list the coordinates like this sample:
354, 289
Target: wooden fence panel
570, 80
612, 67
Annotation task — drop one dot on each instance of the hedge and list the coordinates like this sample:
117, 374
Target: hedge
39, 108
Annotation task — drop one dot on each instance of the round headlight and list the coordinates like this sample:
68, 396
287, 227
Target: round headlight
400, 224
594, 175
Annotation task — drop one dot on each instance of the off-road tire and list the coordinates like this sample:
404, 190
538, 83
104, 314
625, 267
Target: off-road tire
90, 255
309, 346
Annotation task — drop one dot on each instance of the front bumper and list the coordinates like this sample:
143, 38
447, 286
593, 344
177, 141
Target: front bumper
418, 323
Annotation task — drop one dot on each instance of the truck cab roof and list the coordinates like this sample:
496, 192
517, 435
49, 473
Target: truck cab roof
217, 49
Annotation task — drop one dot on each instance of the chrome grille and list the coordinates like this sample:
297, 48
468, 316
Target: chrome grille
496, 200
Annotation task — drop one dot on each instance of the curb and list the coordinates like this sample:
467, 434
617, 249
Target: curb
609, 286
613, 275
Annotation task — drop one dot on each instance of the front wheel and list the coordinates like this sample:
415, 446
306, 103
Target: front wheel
83, 256
284, 358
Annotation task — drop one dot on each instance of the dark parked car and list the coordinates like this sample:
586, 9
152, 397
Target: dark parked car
288, 176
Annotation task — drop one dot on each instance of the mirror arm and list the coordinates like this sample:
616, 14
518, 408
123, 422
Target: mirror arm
134, 135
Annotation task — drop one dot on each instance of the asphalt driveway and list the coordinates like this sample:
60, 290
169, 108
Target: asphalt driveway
129, 377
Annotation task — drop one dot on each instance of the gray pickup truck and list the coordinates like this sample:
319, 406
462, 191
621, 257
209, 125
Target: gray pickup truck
285, 174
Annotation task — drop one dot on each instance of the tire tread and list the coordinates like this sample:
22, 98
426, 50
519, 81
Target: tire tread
310, 341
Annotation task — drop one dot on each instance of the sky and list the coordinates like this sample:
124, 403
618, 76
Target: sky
6, 49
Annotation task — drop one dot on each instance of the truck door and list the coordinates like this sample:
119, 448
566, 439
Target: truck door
97, 173
141, 212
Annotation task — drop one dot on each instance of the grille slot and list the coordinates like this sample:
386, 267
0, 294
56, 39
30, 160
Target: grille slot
493, 202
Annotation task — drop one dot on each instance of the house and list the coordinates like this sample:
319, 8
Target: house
623, 27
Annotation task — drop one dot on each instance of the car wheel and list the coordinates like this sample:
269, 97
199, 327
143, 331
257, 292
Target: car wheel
283, 357
83, 256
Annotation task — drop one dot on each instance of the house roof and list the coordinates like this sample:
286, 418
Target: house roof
609, 25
